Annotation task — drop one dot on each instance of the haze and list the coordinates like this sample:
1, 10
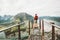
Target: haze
41, 7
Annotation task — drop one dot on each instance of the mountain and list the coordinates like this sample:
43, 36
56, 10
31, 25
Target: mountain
9, 19
6, 19
23, 16
54, 18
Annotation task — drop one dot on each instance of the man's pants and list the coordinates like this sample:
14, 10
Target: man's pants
35, 21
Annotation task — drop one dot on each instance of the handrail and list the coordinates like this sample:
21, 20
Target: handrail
53, 25
11, 26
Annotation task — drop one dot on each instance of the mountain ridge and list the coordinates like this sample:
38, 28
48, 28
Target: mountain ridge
54, 18
22, 16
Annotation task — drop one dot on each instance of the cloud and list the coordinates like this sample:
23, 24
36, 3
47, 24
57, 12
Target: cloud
41, 7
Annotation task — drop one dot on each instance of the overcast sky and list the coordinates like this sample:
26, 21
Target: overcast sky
41, 7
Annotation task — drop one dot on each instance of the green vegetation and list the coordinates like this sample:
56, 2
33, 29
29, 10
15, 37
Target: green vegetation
15, 29
23, 16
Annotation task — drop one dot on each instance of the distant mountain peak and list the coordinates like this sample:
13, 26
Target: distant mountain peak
24, 16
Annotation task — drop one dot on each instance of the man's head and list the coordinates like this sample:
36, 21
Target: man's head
35, 14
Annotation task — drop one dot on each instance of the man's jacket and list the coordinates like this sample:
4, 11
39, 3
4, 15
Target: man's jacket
36, 18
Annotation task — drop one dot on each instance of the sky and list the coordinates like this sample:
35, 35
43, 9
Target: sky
32, 7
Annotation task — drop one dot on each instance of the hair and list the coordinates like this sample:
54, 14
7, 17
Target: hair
35, 14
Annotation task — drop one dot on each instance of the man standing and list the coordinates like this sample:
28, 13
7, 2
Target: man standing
35, 18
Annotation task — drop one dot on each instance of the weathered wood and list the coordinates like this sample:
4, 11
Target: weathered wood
35, 37
42, 30
53, 32
32, 24
19, 32
40, 24
14, 34
29, 27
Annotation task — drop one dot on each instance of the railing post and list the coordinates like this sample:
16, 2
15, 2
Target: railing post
19, 33
42, 30
14, 34
29, 27
53, 32
40, 24
32, 24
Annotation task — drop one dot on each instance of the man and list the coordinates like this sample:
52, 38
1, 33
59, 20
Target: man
35, 18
